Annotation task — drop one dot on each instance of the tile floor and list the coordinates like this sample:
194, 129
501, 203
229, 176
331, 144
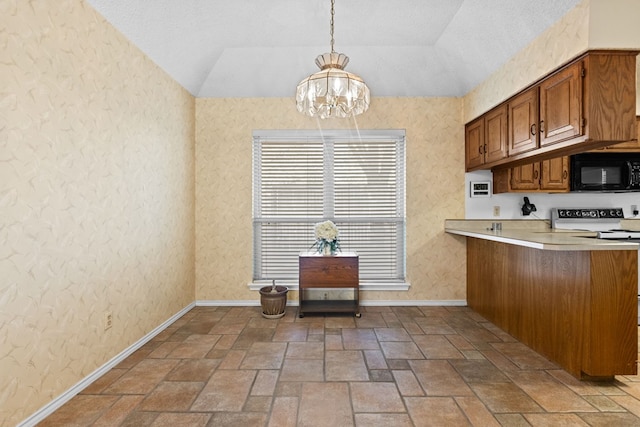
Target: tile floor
395, 366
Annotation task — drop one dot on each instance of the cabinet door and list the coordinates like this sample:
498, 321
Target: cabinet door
474, 143
495, 125
523, 122
555, 174
525, 177
561, 105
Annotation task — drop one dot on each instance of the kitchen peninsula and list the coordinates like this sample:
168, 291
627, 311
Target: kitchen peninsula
570, 297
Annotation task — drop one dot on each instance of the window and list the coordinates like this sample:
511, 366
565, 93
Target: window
356, 179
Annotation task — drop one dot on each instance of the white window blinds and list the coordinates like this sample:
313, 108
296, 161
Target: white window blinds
357, 180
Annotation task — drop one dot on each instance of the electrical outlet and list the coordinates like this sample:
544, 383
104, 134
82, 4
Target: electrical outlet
634, 210
496, 211
108, 320
326, 295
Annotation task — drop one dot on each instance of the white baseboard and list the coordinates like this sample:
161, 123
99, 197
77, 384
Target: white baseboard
56, 403
51, 407
228, 303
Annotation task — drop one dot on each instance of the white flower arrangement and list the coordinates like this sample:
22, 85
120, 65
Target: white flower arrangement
326, 237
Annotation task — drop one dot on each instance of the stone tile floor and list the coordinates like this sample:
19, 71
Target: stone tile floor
394, 366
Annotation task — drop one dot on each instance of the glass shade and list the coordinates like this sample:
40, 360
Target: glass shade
332, 92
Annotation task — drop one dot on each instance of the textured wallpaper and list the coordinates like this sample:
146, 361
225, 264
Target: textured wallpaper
96, 198
561, 42
585, 27
435, 189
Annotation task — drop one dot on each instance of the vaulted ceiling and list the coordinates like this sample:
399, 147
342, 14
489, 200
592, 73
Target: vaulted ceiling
252, 48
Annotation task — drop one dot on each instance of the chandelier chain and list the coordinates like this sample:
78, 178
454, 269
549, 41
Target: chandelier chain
333, 2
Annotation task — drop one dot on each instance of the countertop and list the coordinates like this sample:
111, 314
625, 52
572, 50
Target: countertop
534, 234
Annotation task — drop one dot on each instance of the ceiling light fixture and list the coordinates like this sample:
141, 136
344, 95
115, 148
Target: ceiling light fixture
332, 92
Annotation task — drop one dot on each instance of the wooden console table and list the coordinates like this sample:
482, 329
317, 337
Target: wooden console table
317, 271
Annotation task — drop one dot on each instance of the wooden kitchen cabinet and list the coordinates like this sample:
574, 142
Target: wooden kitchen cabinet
523, 122
547, 176
578, 308
561, 105
631, 146
547, 113
334, 272
474, 137
584, 105
486, 138
554, 175
525, 177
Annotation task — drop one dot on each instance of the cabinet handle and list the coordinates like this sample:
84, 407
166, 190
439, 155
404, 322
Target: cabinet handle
565, 174
541, 126
535, 174
484, 149
480, 149
533, 129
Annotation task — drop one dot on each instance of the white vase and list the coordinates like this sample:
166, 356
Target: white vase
327, 250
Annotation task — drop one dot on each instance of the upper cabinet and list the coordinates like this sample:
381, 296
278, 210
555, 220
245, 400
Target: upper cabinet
587, 104
474, 143
547, 176
561, 105
487, 138
632, 146
554, 176
523, 122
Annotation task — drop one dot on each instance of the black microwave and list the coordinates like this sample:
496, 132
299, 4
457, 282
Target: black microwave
605, 172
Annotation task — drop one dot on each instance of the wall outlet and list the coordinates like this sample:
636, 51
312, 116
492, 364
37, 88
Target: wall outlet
496, 211
634, 210
326, 295
108, 320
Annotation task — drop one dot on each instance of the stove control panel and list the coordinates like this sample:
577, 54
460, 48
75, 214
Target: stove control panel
585, 217
608, 213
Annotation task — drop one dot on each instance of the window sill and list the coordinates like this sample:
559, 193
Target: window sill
364, 286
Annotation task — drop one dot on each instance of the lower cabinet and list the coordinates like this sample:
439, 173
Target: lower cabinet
548, 176
578, 308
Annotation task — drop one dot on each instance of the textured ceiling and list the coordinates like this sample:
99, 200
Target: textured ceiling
252, 48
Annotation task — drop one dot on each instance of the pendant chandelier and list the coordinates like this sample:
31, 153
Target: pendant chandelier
332, 92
